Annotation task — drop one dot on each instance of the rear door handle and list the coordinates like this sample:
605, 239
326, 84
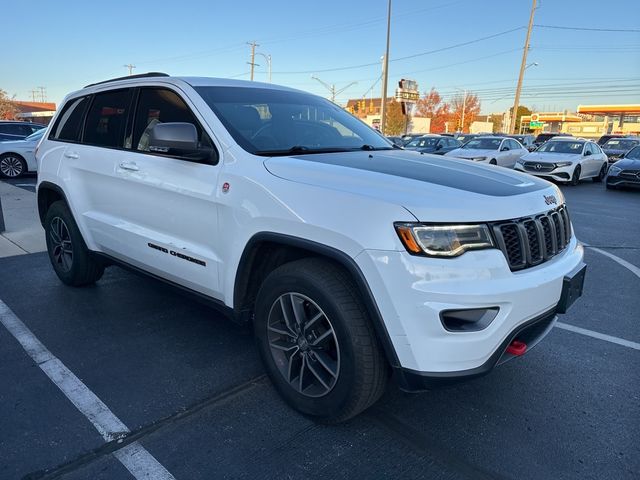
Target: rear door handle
72, 155
129, 166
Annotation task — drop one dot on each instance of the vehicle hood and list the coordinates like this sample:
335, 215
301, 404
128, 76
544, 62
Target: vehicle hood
628, 163
546, 157
433, 188
472, 152
615, 151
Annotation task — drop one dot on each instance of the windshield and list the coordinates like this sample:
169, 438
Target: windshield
423, 142
267, 122
634, 153
543, 137
36, 135
483, 144
620, 144
562, 147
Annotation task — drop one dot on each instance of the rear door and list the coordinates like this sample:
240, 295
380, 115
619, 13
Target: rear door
166, 211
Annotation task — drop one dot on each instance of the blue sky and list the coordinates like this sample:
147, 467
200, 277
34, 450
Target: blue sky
64, 45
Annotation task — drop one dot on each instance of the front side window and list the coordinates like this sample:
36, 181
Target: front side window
160, 105
268, 122
69, 125
483, 144
634, 153
107, 119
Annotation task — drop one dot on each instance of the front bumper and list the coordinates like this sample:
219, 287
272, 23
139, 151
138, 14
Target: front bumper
626, 181
413, 291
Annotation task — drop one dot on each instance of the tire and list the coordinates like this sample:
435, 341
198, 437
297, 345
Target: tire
69, 256
493, 161
601, 174
345, 372
12, 165
575, 178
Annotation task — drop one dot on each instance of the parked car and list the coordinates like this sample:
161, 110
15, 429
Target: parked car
396, 141
605, 138
410, 136
500, 151
288, 213
525, 140
626, 171
12, 130
545, 137
567, 160
616, 147
18, 157
436, 144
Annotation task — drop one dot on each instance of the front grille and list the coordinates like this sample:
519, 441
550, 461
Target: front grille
530, 241
635, 174
539, 167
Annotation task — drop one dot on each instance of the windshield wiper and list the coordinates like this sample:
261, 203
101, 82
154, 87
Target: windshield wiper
301, 150
368, 147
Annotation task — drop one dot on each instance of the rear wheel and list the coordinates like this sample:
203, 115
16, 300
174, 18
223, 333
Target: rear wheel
317, 342
69, 256
12, 165
601, 174
575, 178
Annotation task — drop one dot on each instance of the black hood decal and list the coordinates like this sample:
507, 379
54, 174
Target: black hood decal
444, 171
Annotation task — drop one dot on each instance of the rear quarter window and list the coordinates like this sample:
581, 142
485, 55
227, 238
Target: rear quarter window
68, 127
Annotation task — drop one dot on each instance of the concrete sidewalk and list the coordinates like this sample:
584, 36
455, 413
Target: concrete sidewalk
23, 233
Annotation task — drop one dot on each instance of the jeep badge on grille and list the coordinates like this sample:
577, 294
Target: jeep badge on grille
549, 199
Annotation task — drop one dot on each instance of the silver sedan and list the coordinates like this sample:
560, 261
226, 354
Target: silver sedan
501, 151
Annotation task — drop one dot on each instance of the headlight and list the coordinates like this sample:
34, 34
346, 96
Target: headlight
443, 240
563, 164
479, 159
613, 170
520, 161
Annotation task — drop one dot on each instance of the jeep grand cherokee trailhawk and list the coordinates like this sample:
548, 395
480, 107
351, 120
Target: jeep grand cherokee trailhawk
353, 260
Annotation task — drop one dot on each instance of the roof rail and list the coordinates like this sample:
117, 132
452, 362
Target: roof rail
129, 77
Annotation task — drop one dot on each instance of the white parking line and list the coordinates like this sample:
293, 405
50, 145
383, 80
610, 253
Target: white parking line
629, 266
598, 335
134, 457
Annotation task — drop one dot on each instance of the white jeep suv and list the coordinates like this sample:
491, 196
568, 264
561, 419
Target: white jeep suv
354, 261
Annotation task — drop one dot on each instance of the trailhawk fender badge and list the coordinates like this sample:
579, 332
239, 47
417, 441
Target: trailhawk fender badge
549, 199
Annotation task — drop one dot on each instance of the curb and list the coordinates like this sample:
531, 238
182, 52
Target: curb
2, 225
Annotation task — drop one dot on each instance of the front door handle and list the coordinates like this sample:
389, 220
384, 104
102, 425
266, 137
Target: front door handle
71, 155
129, 166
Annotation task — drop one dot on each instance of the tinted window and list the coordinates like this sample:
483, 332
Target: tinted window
483, 144
107, 119
159, 105
267, 121
69, 123
634, 153
557, 146
16, 129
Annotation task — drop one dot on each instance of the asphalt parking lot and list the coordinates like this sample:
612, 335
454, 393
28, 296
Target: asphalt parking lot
190, 387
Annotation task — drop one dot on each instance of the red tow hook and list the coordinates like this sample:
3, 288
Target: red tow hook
517, 348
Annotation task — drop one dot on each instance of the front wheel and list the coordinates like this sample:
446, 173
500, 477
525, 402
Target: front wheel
317, 341
575, 178
69, 256
601, 174
12, 165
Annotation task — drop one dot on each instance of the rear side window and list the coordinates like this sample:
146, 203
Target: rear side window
69, 124
107, 119
160, 105
15, 129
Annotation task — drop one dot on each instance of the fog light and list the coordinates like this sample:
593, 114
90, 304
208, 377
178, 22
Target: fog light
471, 320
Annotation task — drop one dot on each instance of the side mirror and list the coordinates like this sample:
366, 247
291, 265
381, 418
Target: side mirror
439, 146
173, 136
587, 153
504, 149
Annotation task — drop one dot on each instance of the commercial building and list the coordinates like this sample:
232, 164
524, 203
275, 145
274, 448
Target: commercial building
37, 112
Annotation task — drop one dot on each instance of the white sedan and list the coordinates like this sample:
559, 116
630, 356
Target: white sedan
566, 159
18, 157
500, 151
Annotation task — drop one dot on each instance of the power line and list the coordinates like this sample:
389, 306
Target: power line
588, 29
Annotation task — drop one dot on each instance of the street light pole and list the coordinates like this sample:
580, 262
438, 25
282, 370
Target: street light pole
514, 116
268, 59
385, 74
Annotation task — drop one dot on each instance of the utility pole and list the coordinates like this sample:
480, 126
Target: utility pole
253, 57
385, 74
33, 95
130, 67
332, 88
43, 94
514, 117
